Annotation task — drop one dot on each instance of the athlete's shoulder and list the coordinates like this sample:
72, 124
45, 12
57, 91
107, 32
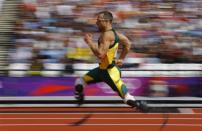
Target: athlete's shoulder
108, 35
123, 38
120, 35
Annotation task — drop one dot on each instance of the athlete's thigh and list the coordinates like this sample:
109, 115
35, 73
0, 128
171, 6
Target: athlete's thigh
113, 79
92, 76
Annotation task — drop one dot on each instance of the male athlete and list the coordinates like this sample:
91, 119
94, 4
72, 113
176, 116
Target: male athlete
105, 51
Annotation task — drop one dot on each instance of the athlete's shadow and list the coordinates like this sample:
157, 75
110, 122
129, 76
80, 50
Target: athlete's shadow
82, 120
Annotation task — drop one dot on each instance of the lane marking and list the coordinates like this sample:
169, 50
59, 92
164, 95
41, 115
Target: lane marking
185, 125
103, 113
159, 118
186, 110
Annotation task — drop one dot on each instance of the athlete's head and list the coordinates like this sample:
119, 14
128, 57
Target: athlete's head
104, 19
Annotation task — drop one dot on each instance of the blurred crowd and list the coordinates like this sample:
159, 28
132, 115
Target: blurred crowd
1, 3
161, 31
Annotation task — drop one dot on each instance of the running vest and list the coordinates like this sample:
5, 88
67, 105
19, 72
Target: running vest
108, 60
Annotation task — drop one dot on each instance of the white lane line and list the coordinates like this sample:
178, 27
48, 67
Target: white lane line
108, 113
159, 118
62, 105
186, 110
184, 125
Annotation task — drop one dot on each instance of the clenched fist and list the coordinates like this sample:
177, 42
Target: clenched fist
119, 62
88, 38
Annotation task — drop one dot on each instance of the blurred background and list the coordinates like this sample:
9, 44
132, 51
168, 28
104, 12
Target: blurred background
44, 38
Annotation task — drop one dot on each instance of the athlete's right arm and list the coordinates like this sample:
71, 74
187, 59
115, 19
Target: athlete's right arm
100, 51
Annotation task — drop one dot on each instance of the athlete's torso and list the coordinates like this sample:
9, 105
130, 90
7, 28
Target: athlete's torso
108, 60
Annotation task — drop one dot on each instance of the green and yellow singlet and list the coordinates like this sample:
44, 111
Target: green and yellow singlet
108, 60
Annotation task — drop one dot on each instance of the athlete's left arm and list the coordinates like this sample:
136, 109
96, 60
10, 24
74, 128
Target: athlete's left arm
126, 48
101, 50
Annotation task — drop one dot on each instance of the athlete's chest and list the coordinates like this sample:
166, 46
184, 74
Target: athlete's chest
101, 39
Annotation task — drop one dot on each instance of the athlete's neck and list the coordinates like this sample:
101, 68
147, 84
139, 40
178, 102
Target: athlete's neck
107, 29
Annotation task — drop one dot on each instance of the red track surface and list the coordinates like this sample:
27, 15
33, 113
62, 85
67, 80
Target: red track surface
96, 118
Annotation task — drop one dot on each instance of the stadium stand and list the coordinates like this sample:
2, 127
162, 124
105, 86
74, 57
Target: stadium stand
161, 31
9, 14
1, 3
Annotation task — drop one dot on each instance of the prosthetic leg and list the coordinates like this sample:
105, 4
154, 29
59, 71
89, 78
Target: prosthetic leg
79, 95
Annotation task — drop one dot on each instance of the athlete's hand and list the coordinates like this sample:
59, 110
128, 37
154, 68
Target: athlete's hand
88, 38
119, 62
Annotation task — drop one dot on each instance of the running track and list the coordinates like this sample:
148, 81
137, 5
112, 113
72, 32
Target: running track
96, 119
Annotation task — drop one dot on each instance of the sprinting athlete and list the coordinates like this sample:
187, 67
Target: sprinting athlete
105, 50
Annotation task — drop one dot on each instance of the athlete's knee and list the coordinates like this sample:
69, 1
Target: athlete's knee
79, 84
80, 81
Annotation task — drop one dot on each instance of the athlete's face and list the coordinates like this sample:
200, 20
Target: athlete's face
101, 22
